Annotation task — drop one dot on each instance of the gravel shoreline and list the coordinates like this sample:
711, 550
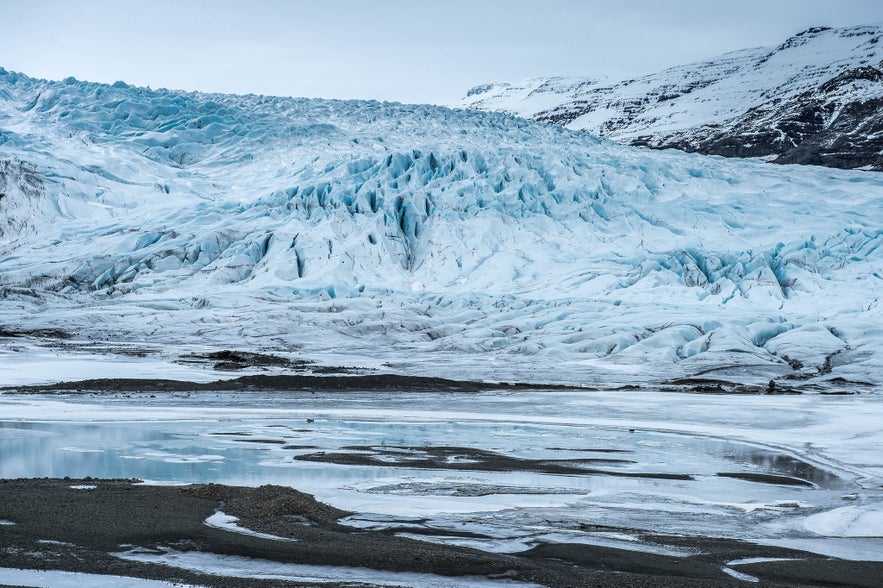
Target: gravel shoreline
61, 527
343, 379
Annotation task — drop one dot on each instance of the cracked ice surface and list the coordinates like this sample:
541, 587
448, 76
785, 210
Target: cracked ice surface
437, 241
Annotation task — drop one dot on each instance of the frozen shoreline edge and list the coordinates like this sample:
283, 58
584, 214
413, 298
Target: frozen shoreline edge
33, 503
391, 382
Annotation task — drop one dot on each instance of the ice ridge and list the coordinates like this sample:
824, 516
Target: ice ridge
425, 236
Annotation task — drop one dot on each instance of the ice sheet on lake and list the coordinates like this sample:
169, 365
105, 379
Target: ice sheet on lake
850, 548
81, 449
832, 441
176, 457
848, 521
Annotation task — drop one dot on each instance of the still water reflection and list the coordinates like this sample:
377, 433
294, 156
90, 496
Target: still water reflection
254, 451
621, 486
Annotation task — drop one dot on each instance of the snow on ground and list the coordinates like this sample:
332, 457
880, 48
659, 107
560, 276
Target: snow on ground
220, 520
243, 567
740, 575
23, 362
58, 579
753, 560
423, 239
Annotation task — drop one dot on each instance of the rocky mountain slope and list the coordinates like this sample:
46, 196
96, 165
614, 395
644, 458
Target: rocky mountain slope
815, 99
436, 241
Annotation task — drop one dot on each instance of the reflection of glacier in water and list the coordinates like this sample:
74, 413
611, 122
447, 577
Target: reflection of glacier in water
515, 468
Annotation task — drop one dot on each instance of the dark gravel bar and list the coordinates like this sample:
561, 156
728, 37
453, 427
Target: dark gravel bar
85, 528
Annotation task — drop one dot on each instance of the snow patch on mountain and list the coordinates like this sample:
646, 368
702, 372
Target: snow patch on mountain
817, 98
439, 241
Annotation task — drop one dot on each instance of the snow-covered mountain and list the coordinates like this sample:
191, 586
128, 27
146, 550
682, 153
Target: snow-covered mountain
444, 242
817, 98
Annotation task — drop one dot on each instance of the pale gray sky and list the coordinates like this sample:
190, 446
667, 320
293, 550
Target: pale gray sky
408, 51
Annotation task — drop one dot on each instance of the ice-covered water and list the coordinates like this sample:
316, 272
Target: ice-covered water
652, 461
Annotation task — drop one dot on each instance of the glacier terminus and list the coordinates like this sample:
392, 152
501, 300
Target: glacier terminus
427, 240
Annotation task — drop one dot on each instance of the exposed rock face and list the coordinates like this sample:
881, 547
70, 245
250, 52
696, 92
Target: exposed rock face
834, 125
815, 99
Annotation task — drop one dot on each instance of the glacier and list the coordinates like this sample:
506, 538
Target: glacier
421, 240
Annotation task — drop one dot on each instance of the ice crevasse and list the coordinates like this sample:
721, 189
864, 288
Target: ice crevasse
427, 236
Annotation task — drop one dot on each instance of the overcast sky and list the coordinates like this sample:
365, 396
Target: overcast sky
409, 51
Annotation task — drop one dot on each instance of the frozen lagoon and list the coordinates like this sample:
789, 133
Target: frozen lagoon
510, 469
